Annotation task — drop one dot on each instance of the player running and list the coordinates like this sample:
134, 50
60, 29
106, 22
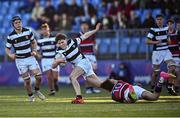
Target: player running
25, 46
47, 49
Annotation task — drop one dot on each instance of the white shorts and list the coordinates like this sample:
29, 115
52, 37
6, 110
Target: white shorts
46, 65
91, 58
86, 66
176, 60
159, 56
138, 90
26, 64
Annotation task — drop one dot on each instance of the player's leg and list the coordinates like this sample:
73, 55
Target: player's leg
94, 80
27, 85
77, 71
170, 83
156, 69
89, 87
154, 96
49, 75
55, 79
23, 71
36, 71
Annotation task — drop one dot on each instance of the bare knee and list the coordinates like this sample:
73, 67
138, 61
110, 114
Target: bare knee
73, 78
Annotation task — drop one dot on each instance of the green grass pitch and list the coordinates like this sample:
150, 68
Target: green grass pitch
14, 103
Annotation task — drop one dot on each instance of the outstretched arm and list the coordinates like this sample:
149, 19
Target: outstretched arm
90, 33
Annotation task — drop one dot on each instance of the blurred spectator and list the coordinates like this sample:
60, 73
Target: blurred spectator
36, 16
115, 8
87, 10
178, 24
122, 20
65, 23
93, 21
120, 73
175, 8
49, 10
149, 21
75, 8
128, 7
63, 8
134, 21
55, 24
102, 9
27, 6
153, 4
106, 22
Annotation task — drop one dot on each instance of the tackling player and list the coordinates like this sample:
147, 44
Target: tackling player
126, 93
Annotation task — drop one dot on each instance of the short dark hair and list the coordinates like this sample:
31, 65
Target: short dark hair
60, 36
159, 15
170, 20
44, 25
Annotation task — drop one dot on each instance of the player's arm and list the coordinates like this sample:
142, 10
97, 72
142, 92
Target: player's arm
59, 58
150, 37
90, 33
151, 42
10, 55
8, 49
34, 48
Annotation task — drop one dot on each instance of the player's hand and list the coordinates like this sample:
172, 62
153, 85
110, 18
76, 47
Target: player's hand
33, 53
12, 56
98, 26
158, 42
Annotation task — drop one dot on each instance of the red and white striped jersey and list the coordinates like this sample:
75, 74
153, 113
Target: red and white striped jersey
87, 46
118, 91
174, 46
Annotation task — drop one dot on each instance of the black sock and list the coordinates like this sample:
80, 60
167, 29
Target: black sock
36, 89
30, 94
158, 87
79, 96
55, 81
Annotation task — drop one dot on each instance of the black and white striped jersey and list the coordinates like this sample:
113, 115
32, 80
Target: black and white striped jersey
21, 42
159, 34
47, 46
72, 52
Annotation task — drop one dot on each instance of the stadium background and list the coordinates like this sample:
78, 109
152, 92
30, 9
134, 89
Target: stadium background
122, 38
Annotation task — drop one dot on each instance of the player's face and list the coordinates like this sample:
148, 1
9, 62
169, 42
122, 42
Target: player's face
170, 25
178, 26
84, 27
17, 24
45, 31
159, 21
62, 44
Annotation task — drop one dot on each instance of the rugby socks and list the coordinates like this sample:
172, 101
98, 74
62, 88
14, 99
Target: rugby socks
30, 94
36, 89
159, 85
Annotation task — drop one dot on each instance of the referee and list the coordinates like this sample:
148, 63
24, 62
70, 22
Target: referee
24, 44
158, 37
